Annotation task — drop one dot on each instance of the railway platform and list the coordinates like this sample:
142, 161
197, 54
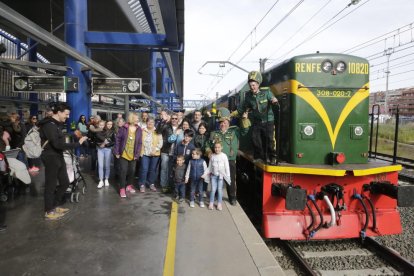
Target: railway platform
145, 234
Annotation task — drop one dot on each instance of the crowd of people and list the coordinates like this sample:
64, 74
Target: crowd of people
170, 152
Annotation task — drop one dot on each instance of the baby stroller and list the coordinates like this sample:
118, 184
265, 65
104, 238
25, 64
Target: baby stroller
75, 176
12, 172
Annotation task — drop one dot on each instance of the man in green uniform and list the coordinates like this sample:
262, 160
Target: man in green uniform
228, 137
258, 102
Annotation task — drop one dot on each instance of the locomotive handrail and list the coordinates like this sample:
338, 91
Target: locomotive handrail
372, 129
278, 135
397, 123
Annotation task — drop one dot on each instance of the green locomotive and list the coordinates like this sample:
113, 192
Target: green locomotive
323, 181
324, 108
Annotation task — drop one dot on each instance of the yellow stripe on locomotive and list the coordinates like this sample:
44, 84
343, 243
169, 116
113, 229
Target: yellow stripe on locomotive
325, 114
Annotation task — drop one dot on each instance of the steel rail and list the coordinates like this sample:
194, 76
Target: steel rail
391, 256
298, 258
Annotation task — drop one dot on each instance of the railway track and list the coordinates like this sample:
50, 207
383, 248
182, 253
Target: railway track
344, 257
405, 162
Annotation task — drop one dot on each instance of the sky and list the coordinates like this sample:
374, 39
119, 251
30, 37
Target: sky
229, 30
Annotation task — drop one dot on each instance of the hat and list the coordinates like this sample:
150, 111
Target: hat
223, 114
255, 76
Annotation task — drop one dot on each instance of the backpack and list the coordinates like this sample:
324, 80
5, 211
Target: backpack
33, 144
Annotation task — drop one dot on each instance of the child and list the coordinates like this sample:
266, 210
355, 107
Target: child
219, 169
196, 171
178, 176
185, 147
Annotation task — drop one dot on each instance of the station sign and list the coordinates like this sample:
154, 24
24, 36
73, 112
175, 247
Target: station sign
54, 84
120, 86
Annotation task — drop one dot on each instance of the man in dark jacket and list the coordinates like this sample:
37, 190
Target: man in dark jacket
258, 102
54, 144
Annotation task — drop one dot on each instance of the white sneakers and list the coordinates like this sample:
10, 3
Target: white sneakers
102, 183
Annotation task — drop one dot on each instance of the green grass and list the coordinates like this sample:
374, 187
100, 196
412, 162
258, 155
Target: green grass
405, 132
386, 134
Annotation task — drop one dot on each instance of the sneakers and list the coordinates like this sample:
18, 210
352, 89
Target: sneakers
192, 204
130, 189
219, 207
106, 183
181, 200
202, 204
53, 215
211, 206
142, 189
152, 188
204, 194
122, 193
233, 202
100, 184
61, 210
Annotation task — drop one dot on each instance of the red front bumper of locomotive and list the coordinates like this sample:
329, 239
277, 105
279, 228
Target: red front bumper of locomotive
279, 222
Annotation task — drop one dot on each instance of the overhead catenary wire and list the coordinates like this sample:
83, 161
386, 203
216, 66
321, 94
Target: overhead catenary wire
323, 28
262, 38
271, 30
253, 30
379, 39
301, 27
219, 76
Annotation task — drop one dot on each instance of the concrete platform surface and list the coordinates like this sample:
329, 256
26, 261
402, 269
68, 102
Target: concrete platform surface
106, 235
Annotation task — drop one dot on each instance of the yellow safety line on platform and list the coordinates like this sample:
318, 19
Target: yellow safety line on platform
172, 238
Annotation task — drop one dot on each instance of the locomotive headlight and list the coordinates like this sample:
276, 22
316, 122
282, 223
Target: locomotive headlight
340, 67
308, 130
358, 131
327, 66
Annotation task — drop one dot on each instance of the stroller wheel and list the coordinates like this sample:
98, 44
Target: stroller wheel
83, 190
3, 198
77, 197
72, 197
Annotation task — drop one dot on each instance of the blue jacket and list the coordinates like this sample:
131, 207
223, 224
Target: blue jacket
197, 169
185, 150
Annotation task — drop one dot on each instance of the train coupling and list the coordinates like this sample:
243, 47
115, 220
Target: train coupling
403, 194
294, 196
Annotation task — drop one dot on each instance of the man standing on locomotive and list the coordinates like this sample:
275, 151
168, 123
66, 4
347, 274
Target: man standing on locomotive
258, 103
228, 137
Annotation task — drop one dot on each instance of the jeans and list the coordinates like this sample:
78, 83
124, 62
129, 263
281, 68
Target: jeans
216, 185
197, 185
180, 190
127, 169
148, 169
165, 169
104, 162
81, 150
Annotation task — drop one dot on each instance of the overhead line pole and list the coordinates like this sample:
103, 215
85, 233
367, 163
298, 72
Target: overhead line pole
388, 53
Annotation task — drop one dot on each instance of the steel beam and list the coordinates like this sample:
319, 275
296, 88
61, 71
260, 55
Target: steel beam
36, 32
34, 64
115, 38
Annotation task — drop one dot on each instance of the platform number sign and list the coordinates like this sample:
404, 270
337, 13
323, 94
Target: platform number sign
124, 86
54, 84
